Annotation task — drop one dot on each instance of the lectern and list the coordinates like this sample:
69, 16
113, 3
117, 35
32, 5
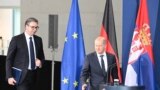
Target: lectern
120, 87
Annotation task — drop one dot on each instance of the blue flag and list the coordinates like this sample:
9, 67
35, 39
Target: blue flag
73, 52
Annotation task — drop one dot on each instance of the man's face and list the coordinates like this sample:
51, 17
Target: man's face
31, 28
99, 47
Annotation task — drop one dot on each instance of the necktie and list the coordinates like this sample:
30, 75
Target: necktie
102, 64
32, 54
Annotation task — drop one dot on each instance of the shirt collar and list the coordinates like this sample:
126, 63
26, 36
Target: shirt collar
27, 36
104, 54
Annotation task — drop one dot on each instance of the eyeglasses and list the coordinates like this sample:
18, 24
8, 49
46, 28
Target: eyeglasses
33, 27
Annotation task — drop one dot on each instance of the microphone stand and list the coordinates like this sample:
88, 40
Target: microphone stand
109, 72
111, 69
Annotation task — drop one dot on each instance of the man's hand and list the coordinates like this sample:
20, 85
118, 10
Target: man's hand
11, 81
38, 63
84, 86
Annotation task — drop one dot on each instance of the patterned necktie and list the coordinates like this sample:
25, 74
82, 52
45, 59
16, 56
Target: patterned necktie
102, 64
32, 54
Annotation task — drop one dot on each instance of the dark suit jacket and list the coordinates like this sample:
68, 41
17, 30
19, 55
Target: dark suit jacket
92, 70
18, 55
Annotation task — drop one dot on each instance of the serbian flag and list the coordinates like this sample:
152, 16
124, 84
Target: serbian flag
108, 31
140, 68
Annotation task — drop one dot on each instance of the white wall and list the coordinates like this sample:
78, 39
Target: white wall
6, 27
9, 3
91, 17
6, 21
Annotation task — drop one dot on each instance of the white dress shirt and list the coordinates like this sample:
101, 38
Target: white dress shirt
105, 60
27, 39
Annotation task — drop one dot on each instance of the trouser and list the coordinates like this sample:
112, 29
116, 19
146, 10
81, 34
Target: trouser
29, 82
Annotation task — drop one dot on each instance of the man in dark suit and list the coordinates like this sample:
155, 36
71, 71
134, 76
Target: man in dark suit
98, 66
26, 53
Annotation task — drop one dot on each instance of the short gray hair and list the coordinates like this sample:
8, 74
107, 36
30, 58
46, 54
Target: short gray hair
31, 19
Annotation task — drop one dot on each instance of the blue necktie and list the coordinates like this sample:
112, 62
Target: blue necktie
32, 54
102, 64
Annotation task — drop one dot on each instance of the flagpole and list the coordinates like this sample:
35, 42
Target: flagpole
53, 55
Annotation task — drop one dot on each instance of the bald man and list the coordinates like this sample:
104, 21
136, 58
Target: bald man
97, 66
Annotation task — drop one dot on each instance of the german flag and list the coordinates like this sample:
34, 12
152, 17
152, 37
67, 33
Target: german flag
108, 31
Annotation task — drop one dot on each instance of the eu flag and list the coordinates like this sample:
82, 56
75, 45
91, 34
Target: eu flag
73, 52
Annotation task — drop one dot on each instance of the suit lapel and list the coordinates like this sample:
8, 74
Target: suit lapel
97, 61
108, 59
99, 68
24, 43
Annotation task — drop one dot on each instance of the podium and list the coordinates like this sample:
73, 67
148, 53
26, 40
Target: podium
120, 87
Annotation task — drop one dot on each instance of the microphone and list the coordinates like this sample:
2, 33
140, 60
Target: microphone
109, 72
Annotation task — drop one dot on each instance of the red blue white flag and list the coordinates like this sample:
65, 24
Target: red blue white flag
140, 68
